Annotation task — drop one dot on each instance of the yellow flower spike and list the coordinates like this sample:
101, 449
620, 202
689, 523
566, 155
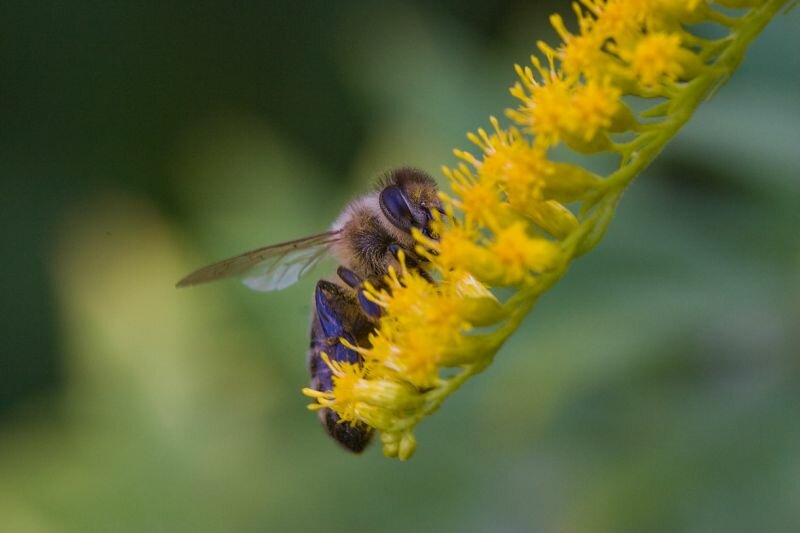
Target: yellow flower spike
511, 199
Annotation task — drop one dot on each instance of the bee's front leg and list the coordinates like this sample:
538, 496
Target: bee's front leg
411, 260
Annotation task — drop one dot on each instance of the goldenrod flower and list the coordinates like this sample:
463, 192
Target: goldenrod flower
580, 55
655, 57
517, 217
515, 257
545, 111
374, 401
598, 108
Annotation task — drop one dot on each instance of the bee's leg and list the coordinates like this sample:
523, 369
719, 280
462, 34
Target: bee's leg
410, 259
332, 322
352, 279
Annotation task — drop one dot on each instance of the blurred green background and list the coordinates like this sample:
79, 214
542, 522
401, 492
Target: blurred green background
657, 388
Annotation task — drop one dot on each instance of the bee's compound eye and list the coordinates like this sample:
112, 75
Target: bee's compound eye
395, 207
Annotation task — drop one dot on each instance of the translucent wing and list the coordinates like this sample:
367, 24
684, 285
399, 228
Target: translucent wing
270, 268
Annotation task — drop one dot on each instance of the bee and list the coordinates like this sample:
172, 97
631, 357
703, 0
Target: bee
366, 240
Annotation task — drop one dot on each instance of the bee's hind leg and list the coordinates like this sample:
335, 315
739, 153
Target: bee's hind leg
326, 297
330, 327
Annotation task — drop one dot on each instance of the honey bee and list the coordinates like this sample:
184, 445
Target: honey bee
366, 239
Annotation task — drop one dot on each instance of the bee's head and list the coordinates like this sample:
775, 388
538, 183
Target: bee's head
409, 198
